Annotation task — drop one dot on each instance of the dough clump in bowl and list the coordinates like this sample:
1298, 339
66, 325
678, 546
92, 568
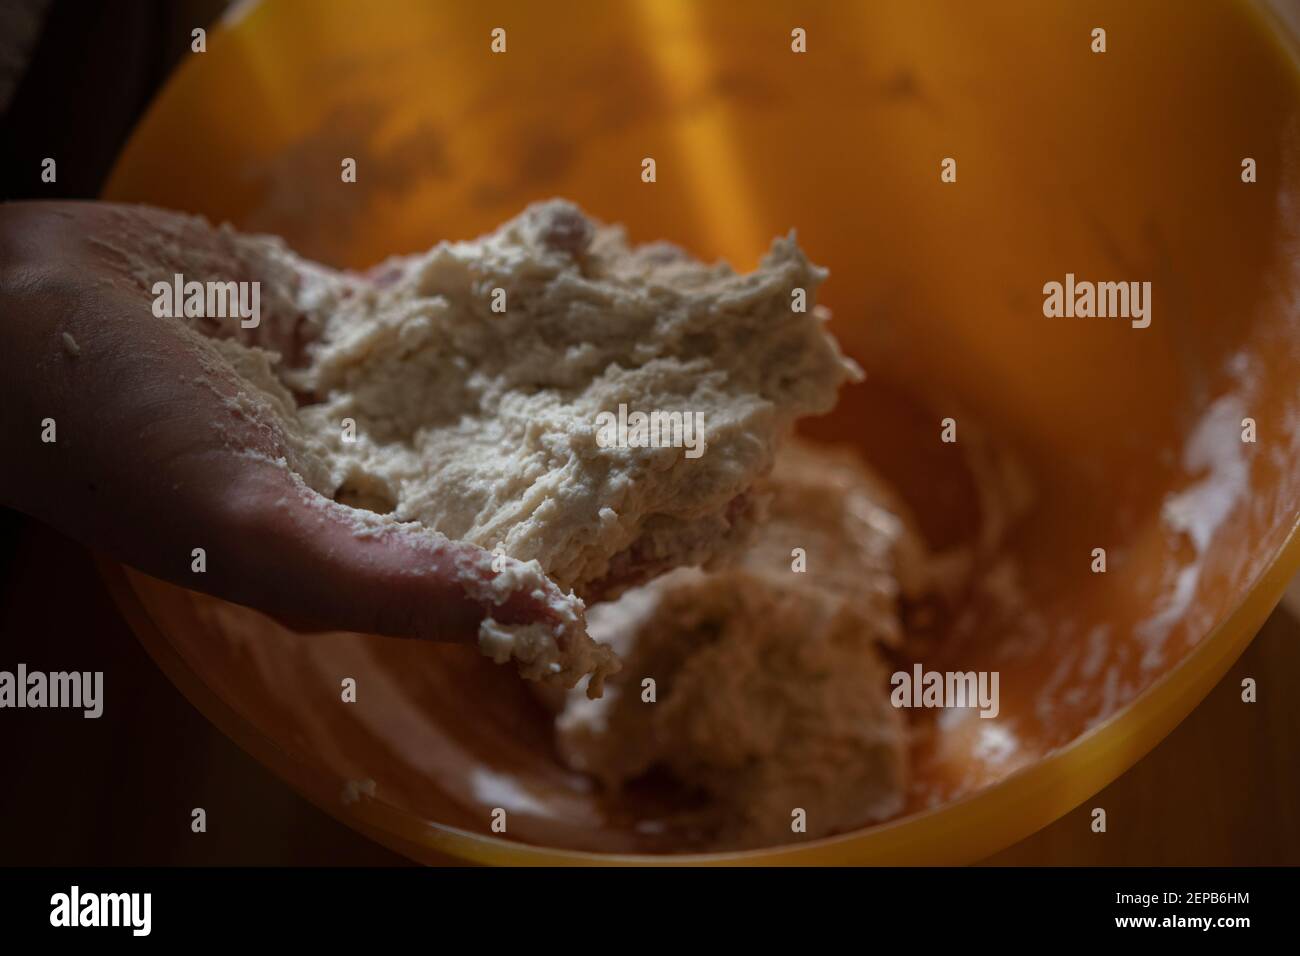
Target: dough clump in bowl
770, 688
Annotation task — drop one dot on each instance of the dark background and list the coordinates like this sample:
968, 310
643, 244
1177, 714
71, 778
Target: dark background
1223, 789
117, 790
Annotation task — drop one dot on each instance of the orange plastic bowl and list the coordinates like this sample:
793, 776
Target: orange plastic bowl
1123, 165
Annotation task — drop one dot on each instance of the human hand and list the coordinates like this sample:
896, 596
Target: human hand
150, 462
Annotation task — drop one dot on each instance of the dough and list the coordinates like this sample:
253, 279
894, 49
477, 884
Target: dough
484, 425
403, 395
772, 691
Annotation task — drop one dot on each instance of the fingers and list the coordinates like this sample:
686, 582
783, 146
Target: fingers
317, 564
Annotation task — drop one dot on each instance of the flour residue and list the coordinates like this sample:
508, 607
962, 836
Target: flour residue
1214, 450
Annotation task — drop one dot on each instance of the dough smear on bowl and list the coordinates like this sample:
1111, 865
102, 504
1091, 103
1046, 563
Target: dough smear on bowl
462, 391
771, 686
